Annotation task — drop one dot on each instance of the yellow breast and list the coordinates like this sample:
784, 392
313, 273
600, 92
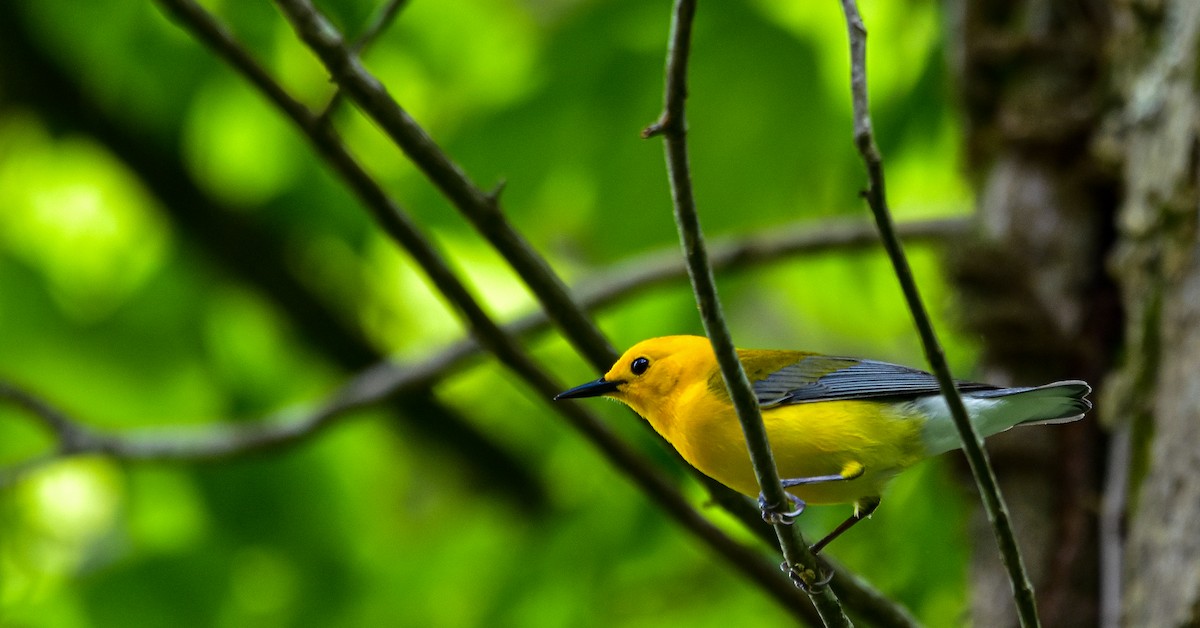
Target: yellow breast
808, 439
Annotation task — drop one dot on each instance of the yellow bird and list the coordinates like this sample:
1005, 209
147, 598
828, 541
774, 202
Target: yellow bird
840, 428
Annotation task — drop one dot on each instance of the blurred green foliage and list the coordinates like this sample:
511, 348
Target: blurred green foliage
111, 308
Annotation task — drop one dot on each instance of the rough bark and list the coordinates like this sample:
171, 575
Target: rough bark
1156, 393
1034, 80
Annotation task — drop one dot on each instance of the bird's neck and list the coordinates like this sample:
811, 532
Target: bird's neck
671, 410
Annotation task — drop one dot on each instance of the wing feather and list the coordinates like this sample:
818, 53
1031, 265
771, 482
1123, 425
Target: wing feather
830, 378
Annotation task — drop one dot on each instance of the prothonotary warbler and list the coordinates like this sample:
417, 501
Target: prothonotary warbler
840, 428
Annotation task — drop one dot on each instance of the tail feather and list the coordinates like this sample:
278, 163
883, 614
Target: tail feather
994, 411
1060, 402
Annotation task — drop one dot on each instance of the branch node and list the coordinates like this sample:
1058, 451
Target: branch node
658, 127
493, 195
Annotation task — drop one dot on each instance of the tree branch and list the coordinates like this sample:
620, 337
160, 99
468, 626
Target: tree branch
211, 442
71, 436
383, 20
767, 246
876, 197
481, 209
673, 126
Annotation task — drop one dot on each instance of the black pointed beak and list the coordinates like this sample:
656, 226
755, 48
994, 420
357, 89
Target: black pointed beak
590, 389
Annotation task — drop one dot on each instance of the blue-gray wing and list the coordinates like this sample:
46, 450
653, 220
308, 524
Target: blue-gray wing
829, 378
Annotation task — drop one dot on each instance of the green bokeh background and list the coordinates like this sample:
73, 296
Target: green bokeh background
110, 309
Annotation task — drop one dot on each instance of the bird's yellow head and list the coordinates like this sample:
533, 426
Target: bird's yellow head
651, 374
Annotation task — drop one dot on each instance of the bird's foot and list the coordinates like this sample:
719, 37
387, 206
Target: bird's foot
808, 580
774, 515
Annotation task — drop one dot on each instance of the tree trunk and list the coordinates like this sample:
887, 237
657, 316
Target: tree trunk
1156, 396
1082, 133
1034, 80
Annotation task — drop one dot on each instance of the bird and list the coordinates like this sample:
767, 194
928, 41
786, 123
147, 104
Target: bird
840, 428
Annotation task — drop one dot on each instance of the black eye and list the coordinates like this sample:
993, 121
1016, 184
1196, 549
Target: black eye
639, 366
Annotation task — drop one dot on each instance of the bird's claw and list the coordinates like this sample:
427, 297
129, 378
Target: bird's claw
774, 517
806, 579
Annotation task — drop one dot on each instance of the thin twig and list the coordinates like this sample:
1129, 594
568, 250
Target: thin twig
482, 209
71, 436
382, 21
672, 125
732, 253
876, 197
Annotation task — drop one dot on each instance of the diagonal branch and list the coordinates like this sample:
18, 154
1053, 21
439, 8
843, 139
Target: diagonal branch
876, 197
481, 208
673, 126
